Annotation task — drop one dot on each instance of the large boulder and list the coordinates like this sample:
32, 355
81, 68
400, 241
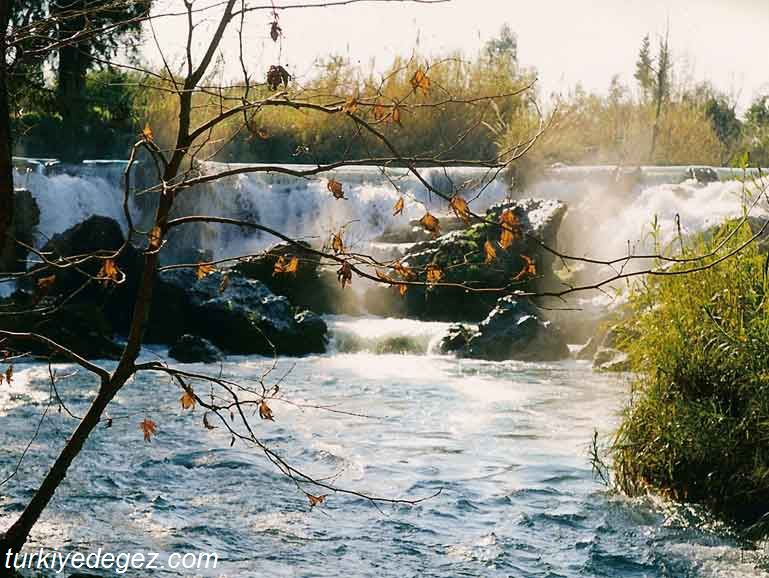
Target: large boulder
461, 257
310, 287
100, 236
193, 349
515, 329
240, 315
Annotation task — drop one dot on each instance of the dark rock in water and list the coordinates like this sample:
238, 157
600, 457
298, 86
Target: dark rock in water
456, 339
243, 318
703, 175
81, 328
95, 234
311, 287
460, 255
194, 349
608, 359
26, 218
513, 330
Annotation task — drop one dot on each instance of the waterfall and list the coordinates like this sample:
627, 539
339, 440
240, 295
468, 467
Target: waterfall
609, 208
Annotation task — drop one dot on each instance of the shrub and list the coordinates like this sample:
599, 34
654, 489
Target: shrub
697, 427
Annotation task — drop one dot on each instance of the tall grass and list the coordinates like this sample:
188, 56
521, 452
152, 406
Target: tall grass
697, 427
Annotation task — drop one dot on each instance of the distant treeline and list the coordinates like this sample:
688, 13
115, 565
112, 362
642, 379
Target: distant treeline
658, 120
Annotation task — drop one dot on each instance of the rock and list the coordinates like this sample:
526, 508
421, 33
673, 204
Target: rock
95, 234
587, 352
26, 218
193, 349
703, 175
608, 359
311, 287
460, 255
513, 330
81, 328
456, 339
244, 318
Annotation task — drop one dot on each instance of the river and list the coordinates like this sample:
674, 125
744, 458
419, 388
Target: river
505, 443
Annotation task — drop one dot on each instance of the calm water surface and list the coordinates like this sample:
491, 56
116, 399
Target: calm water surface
506, 443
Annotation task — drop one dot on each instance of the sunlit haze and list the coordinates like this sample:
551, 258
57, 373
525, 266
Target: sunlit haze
567, 42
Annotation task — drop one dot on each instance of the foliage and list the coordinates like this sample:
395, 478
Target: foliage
696, 428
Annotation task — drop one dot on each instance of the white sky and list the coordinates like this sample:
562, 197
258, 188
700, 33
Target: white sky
567, 41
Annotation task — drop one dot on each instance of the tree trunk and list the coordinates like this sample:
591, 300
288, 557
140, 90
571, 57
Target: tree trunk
70, 91
7, 251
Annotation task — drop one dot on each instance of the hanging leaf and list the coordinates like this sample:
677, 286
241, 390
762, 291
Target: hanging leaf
529, 269
147, 133
350, 105
511, 230
203, 270
43, 287
420, 81
461, 208
404, 271
385, 277
344, 274
431, 224
316, 500
490, 251
275, 31
9, 374
149, 428
337, 245
265, 412
395, 115
225, 282
335, 187
277, 75
206, 423
434, 274
155, 237
283, 266
398, 208
110, 272
402, 289
187, 400
380, 112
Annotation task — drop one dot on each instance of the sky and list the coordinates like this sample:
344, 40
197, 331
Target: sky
566, 41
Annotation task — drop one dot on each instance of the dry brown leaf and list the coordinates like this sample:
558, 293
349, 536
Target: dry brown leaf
420, 81
316, 500
404, 271
490, 251
275, 31
283, 266
398, 208
380, 112
265, 412
529, 269
9, 374
203, 270
337, 245
156, 237
206, 423
110, 272
277, 75
344, 274
335, 187
350, 105
461, 208
434, 273
511, 230
395, 116
431, 224
385, 277
147, 133
187, 400
402, 289
149, 428
224, 283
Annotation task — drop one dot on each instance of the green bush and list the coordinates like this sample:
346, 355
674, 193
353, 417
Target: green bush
697, 427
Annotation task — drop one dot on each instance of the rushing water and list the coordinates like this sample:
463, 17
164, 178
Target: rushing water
505, 443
